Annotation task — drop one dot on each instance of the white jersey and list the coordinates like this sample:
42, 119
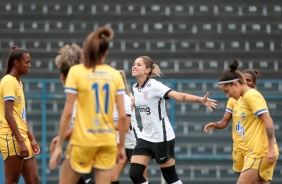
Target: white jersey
150, 101
132, 135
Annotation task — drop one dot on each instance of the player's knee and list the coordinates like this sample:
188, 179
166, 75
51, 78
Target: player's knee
13, 179
114, 176
170, 175
136, 173
34, 179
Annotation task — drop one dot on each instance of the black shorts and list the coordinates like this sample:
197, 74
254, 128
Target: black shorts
128, 153
88, 178
161, 151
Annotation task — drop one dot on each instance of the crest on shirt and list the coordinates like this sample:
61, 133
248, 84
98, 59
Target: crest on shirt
149, 85
19, 98
145, 95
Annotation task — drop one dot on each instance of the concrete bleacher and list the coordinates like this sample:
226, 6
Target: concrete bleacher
189, 40
208, 34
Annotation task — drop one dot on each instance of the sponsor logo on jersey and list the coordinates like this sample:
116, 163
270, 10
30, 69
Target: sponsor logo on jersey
144, 109
100, 131
240, 129
24, 114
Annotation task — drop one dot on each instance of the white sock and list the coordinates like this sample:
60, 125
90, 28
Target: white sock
145, 182
177, 182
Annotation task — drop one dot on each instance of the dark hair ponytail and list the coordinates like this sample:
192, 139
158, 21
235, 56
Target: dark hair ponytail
231, 74
233, 66
16, 53
96, 44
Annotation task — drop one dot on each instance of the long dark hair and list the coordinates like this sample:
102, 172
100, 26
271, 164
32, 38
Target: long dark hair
96, 44
16, 53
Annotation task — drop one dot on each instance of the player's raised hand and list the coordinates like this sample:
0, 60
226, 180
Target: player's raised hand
210, 103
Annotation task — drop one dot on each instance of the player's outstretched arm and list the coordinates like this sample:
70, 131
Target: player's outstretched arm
188, 98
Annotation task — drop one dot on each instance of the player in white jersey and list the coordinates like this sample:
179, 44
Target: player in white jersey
157, 138
132, 134
130, 137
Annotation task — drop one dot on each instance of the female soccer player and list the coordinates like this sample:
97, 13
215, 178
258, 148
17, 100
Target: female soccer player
96, 87
68, 56
156, 140
130, 137
239, 150
255, 127
17, 143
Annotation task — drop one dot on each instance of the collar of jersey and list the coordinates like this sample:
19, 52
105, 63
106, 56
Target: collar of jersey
143, 83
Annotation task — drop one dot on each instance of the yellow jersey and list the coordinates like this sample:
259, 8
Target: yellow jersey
12, 89
254, 133
233, 106
96, 95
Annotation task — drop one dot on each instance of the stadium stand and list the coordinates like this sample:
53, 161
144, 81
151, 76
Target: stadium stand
192, 41
199, 31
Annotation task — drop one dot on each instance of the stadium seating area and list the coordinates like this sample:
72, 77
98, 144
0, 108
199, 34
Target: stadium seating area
192, 41
189, 40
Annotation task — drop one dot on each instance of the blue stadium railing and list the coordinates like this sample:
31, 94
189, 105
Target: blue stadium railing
44, 95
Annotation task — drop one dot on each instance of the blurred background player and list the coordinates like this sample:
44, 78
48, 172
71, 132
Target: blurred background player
68, 56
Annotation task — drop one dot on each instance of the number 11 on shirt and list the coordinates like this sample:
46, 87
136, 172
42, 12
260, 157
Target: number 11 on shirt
106, 88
